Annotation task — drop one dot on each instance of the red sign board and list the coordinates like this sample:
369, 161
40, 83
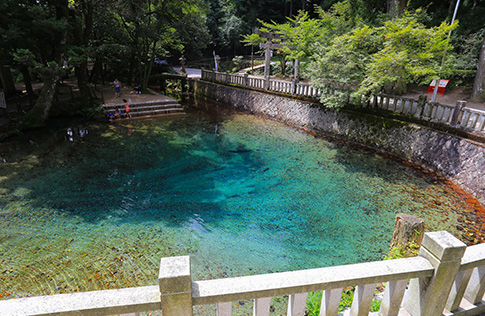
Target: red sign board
441, 86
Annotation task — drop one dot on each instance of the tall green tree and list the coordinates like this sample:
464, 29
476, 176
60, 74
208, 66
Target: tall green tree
151, 28
82, 13
42, 50
380, 59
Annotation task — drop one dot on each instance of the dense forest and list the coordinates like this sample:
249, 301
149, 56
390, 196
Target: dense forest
346, 43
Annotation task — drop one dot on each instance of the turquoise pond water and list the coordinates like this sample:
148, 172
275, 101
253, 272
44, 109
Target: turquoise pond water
96, 205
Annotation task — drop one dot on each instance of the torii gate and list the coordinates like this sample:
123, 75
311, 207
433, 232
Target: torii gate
267, 56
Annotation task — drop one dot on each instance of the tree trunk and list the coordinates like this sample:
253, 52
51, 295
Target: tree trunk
148, 70
6, 80
82, 82
82, 33
478, 94
396, 7
37, 116
133, 66
408, 234
51, 74
28, 83
96, 71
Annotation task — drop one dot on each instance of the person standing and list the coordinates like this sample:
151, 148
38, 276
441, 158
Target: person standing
117, 85
127, 109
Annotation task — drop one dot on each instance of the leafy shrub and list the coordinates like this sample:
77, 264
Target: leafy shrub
314, 300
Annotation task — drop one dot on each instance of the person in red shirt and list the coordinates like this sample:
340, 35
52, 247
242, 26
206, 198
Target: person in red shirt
127, 108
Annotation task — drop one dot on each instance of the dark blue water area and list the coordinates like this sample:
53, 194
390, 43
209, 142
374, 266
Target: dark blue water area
96, 205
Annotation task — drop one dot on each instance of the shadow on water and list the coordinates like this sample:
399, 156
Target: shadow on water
141, 171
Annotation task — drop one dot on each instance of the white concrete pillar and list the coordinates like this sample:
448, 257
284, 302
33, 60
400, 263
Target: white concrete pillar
428, 296
175, 284
267, 66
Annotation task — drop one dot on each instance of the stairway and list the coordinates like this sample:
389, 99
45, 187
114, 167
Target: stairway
147, 109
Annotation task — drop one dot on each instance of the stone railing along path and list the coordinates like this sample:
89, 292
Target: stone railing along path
458, 116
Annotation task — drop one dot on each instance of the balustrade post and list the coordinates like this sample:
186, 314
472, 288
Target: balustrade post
246, 80
456, 111
428, 296
175, 284
422, 99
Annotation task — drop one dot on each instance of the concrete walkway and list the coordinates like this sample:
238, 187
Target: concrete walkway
127, 92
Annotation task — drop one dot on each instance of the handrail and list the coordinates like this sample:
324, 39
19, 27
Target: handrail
474, 257
105, 302
304, 281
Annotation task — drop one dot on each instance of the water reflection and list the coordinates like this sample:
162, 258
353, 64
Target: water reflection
76, 133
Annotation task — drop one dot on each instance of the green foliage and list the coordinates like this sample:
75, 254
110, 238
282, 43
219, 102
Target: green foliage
403, 251
299, 35
375, 305
238, 63
314, 300
252, 40
466, 57
387, 58
411, 54
347, 297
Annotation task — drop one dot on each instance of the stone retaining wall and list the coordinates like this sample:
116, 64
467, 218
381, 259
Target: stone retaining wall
460, 160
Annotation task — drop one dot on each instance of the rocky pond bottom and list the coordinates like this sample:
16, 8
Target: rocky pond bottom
95, 206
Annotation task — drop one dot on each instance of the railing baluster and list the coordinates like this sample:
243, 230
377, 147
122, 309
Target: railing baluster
442, 113
224, 309
474, 121
330, 302
363, 296
458, 289
393, 295
476, 287
465, 118
409, 107
414, 108
262, 306
434, 109
482, 124
446, 115
404, 109
402, 103
394, 104
296, 304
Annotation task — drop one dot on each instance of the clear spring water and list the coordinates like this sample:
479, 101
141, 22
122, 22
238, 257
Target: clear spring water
96, 206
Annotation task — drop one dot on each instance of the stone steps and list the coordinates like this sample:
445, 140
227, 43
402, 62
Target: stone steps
147, 109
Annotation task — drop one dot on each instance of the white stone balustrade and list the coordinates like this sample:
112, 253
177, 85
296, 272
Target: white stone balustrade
446, 278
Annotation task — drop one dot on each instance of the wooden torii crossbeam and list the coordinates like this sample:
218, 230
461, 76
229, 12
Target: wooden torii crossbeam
269, 45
